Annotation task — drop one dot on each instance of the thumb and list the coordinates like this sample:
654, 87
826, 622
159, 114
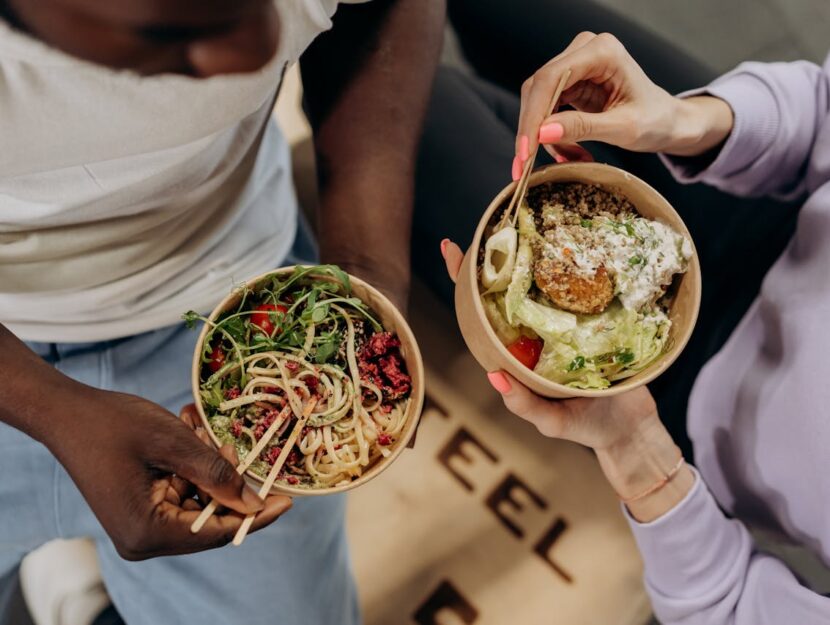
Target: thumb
209, 471
573, 126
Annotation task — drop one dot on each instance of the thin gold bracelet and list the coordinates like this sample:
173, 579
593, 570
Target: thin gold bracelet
657, 485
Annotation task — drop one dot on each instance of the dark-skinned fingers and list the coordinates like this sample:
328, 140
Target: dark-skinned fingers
228, 452
187, 456
453, 257
190, 416
168, 532
191, 504
220, 528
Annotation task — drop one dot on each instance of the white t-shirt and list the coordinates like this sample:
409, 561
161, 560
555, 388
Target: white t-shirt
127, 200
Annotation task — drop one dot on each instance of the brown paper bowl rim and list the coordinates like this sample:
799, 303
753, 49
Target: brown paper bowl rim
555, 389
412, 357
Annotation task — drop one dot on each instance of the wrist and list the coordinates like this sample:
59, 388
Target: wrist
700, 124
44, 403
644, 469
390, 279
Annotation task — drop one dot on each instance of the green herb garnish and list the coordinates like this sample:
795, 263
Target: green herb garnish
577, 363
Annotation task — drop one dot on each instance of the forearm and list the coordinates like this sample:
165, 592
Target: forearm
777, 112
31, 389
367, 85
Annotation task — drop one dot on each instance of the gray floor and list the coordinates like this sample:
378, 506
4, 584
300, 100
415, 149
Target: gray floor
722, 33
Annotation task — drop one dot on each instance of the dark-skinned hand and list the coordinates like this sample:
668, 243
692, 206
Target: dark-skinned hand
147, 475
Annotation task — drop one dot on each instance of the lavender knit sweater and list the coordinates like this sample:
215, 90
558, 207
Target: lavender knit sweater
759, 415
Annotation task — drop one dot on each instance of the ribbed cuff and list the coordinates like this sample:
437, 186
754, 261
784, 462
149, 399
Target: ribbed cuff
754, 130
693, 548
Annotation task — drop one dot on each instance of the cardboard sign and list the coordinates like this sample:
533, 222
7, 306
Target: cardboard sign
487, 522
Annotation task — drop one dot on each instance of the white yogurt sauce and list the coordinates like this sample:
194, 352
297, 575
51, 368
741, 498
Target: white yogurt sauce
640, 255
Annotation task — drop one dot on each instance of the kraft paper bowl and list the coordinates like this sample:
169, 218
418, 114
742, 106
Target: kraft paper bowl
480, 336
392, 321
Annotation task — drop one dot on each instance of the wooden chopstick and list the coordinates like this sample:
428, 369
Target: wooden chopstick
275, 470
243, 466
511, 214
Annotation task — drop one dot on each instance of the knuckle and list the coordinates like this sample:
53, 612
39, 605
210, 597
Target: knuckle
217, 540
610, 44
220, 471
527, 85
581, 126
542, 75
585, 35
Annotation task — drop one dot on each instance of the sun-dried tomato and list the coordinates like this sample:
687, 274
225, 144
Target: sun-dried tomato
380, 363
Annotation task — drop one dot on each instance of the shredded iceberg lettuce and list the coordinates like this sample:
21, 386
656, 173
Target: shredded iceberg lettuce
599, 349
494, 310
549, 323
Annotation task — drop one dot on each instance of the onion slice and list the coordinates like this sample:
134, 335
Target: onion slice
499, 258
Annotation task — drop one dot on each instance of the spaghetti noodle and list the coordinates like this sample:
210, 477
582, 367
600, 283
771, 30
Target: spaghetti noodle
299, 337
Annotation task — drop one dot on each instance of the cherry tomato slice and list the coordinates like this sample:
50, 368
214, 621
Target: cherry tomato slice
526, 350
263, 319
217, 359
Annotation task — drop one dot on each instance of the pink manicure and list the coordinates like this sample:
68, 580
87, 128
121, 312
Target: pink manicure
517, 168
499, 382
524, 148
551, 133
559, 158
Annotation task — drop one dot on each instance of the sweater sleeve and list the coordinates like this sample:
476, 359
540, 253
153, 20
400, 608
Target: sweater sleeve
779, 109
702, 568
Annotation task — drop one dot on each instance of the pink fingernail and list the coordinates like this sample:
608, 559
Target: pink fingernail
444, 244
559, 158
499, 382
551, 133
524, 148
517, 168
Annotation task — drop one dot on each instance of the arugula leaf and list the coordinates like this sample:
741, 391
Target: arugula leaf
190, 318
236, 327
326, 351
319, 313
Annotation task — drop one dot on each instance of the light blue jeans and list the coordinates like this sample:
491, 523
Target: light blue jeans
295, 572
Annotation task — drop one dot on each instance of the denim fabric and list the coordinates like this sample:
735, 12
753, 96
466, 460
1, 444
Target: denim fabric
295, 572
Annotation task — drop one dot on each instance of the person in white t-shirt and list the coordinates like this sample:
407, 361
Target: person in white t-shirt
141, 176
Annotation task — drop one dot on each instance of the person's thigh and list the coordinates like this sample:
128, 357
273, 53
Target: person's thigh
27, 497
294, 572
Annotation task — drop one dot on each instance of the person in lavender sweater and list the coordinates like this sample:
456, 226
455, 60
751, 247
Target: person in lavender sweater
757, 414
